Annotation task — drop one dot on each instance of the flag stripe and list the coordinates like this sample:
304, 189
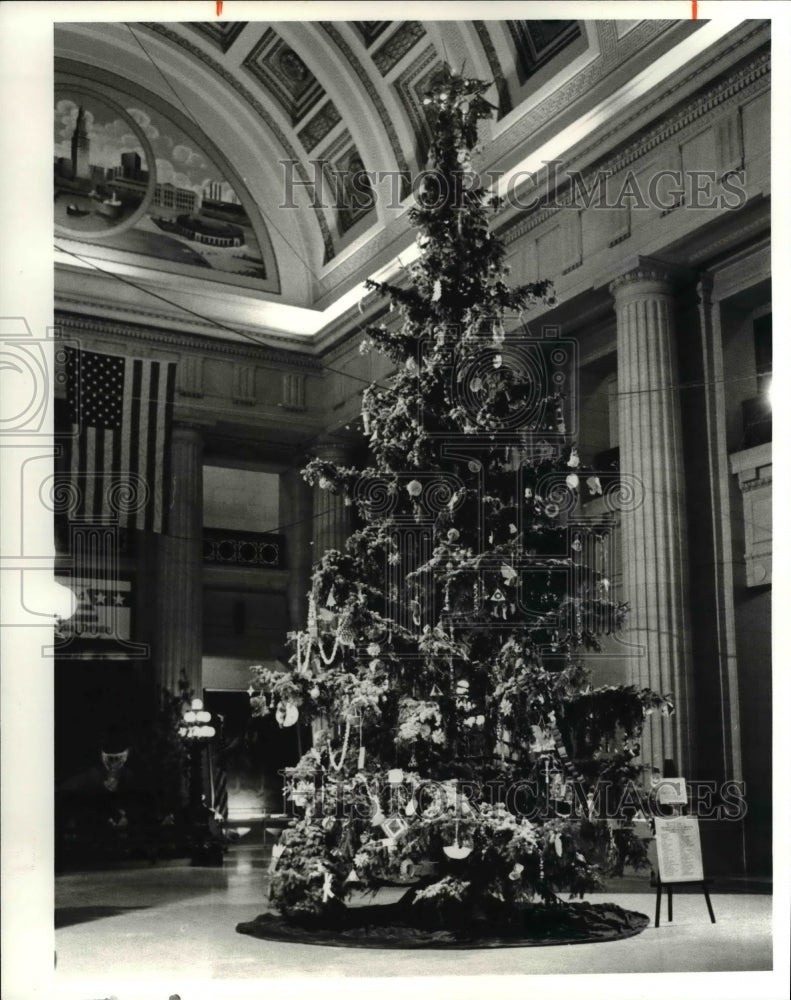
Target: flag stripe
136, 455
127, 428
151, 450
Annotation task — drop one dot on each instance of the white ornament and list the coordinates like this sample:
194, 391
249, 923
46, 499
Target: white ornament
594, 485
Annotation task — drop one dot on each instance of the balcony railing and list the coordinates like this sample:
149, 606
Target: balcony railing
252, 549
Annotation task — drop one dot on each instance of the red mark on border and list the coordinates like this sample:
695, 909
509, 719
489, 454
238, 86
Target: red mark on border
694, 9
219, 8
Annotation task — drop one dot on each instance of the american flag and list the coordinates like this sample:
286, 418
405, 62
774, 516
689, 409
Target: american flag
121, 411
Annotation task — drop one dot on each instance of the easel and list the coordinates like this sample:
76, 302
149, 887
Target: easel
687, 863
669, 886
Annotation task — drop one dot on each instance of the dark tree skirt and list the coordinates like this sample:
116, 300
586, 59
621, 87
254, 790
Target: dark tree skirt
395, 926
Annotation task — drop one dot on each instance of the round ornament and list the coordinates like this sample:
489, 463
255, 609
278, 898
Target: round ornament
414, 488
286, 714
457, 851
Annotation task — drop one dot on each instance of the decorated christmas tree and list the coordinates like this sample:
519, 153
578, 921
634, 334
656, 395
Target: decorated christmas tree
459, 747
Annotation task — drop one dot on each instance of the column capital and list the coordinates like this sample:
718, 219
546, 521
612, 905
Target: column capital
332, 449
649, 276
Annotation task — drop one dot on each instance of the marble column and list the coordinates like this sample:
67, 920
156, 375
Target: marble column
331, 515
653, 527
179, 630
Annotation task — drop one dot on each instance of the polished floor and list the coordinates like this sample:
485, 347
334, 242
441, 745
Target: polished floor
120, 933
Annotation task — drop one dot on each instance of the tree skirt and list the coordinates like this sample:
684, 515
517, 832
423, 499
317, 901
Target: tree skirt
388, 926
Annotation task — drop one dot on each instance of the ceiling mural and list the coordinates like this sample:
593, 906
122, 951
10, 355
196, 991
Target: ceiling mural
129, 179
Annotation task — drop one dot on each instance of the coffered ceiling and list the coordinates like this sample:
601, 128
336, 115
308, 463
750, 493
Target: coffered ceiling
265, 111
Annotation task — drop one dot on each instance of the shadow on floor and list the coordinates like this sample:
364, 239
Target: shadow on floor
66, 916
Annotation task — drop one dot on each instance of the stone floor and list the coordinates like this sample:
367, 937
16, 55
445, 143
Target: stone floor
169, 929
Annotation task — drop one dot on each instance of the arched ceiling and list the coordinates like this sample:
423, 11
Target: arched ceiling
274, 106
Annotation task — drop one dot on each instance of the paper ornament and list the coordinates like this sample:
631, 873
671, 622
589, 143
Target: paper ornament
574, 459
352, 878
373, 649
577, 544
277, 850
516, 872
572, 481
395, 776
410, 808
345, 634
453, 535
395, 826
361, 758
436, 295
414, 487
498, 361
331, 601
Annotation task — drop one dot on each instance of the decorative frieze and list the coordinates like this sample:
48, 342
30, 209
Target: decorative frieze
729, 144
243, 392
293, 391
189, 376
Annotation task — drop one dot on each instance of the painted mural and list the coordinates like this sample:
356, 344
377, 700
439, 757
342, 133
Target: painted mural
127, 178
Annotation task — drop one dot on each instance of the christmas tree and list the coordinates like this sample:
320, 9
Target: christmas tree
459, 746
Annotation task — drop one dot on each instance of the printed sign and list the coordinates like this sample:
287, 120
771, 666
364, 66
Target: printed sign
678, 849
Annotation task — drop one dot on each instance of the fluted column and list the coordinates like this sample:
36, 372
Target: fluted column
179, 633
654, 536
331, 515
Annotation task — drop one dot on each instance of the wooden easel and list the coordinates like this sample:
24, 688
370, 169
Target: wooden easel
669, 886
694, 870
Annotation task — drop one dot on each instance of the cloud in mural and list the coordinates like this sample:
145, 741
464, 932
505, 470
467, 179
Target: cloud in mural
144, 121
185, 156
167, 174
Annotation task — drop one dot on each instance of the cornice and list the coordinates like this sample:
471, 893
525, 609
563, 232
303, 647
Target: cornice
723, 93
177, 340
101, 308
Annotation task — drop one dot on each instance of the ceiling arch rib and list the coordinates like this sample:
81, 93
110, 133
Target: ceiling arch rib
261, 129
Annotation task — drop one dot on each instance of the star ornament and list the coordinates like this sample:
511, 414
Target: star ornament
452, 89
